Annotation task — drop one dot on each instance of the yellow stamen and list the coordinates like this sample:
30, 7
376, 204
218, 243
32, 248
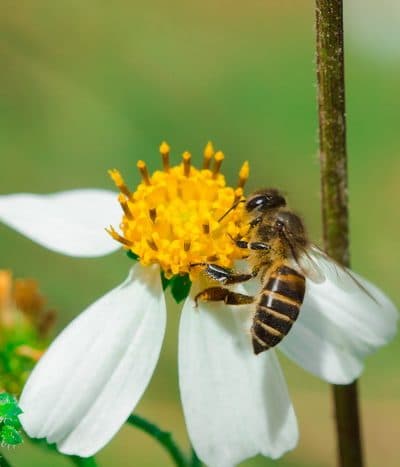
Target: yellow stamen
153, 214
206, 228
116, 236
175, 216
208, 154
141, 165
152, 244
243, 174
125, 207
186, 156
119, 182
164, 151
238, 194
212, 259
218, 158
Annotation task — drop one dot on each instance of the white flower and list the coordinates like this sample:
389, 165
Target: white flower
236, 404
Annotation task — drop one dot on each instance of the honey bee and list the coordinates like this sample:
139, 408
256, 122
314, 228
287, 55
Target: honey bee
281, 254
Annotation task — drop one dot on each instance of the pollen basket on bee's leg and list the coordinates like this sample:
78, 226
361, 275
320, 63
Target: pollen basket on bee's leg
172, 218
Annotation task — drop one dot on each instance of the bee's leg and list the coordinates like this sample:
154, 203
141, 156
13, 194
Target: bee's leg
252, 245
223, 275
218, 294
255, 222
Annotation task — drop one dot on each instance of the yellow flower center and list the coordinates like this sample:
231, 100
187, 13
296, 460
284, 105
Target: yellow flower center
174, 216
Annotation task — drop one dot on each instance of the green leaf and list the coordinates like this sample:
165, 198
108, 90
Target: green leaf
9, 408
133, 256
9, 422
14, 422
180, 287
10, 436
164, 281
179, 284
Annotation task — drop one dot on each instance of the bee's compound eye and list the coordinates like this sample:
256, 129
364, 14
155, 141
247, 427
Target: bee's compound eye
280, 225
264, 201
256, 202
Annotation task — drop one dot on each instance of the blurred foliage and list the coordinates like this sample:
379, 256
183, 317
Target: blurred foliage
14, 366
9, 423
24, 325
87, 86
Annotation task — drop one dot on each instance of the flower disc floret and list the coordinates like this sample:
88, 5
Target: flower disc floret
173, 217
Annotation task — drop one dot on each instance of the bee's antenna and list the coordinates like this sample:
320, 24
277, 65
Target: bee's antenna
234, 205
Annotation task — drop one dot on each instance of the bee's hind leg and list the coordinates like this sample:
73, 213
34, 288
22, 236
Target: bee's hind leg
221, 294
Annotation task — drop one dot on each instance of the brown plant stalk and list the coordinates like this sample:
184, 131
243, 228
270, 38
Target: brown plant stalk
333, 161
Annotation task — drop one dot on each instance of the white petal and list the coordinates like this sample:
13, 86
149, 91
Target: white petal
69, 222
339, 325
94, 373
236, 404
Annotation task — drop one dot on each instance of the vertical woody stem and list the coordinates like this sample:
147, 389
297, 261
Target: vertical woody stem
333, 160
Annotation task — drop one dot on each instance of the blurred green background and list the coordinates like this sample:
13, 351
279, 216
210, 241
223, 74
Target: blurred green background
86, 86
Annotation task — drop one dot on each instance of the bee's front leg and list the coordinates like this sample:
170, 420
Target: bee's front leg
252, 245
217, 294
223, 275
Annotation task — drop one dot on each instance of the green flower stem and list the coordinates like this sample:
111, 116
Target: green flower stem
196, 462
3, 461
333, 160
164, 438
83, 461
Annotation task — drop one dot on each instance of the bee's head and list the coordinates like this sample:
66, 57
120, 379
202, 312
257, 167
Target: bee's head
264, 200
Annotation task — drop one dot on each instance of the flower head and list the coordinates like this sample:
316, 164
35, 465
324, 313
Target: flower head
172, 218
236, 405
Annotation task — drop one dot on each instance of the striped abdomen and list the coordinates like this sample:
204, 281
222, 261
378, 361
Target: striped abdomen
277, 307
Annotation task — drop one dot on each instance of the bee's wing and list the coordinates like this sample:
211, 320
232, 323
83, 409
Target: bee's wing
335, 272
309, 266
304, 260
